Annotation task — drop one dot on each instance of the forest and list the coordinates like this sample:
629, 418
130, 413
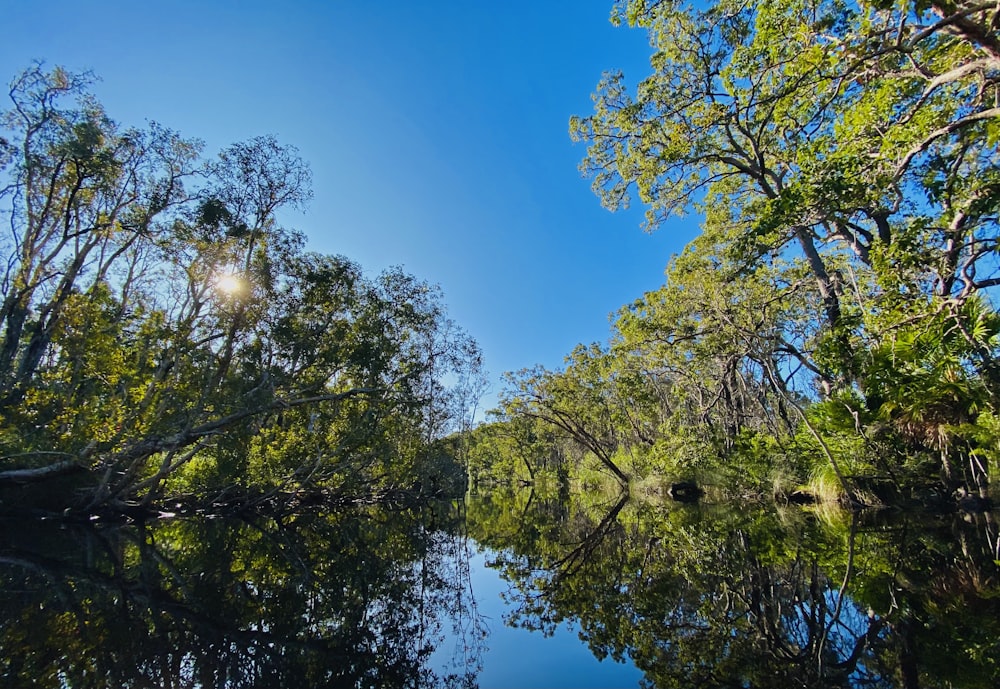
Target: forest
166, 342
831, 333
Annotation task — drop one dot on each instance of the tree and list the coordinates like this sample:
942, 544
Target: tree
163, 332
83, 198
582, 402
857, 141
520, 449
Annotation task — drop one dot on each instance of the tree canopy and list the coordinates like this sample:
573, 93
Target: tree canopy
843, 157
163, 333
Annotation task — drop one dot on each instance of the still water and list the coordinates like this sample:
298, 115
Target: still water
517, 657
508, 590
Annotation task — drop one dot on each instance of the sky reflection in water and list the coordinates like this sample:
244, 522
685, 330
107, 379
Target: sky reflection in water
516, 657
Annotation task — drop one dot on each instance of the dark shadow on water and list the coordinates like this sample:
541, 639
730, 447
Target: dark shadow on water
357, 599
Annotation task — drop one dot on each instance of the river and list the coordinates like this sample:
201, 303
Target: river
507, 590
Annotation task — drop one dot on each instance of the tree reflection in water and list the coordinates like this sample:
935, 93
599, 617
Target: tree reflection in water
695, 596
756, 598
352, 599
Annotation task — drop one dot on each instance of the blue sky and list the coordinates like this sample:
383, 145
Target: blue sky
437, 133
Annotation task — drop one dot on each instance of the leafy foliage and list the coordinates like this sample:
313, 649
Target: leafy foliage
163, 333
844, 158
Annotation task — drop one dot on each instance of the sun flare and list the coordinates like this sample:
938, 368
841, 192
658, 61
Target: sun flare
229, 283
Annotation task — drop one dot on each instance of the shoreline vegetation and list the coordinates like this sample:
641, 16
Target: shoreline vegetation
164, 335
830, 335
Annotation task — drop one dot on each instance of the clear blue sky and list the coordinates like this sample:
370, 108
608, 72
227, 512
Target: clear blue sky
437, 133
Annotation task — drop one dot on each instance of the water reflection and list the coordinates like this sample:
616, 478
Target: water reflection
756, 598
692, 595
357, 599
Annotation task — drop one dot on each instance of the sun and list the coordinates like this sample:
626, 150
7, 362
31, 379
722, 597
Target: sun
229, 283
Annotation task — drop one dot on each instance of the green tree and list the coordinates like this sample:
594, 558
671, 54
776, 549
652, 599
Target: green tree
581, 402
850, 144
164, 334
518, 449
